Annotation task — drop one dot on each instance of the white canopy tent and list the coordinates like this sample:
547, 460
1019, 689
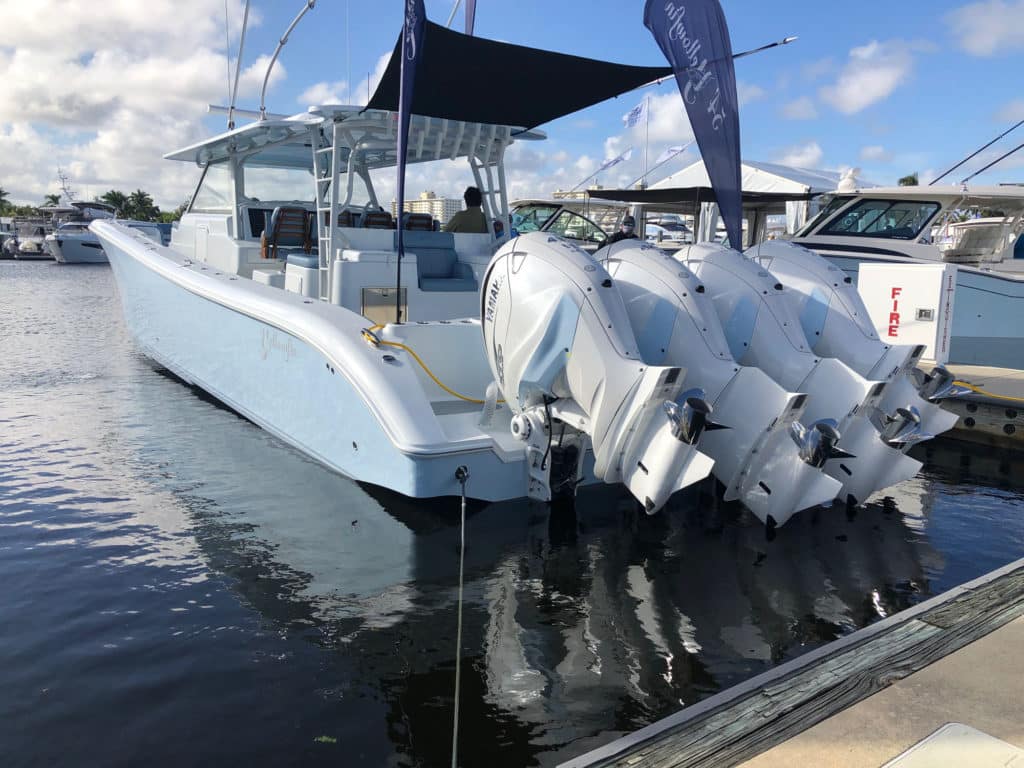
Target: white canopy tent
768, 178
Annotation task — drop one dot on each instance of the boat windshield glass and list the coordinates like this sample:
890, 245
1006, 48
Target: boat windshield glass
214, 192
262, 182
895, 219
834, 205
572, 226
531, 218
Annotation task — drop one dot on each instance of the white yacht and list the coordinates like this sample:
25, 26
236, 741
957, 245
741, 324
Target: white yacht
921, 224
72, 242
28, 242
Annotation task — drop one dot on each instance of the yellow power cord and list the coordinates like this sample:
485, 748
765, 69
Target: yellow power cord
373, 338
986, 393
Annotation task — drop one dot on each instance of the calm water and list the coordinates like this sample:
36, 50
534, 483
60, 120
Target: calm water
179, 588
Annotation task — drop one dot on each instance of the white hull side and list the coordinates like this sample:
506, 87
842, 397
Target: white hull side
77, 249
300, 372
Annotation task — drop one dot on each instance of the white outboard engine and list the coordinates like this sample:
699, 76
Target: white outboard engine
837, 324
763, 330
674, 322
562, 352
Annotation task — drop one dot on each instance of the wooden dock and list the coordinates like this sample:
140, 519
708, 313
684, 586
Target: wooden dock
745, 721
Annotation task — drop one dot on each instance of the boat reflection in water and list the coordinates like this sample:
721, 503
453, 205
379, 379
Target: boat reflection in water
581, 621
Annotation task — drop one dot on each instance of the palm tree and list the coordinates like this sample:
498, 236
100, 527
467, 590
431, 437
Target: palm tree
4, 202
116, 200
909, 181
51, 201
141, 206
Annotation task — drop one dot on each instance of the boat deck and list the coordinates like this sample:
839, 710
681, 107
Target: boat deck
863, 698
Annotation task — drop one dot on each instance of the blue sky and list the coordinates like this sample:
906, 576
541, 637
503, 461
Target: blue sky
888, 87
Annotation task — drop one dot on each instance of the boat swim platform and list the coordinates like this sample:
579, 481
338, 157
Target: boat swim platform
992, 412
864, 699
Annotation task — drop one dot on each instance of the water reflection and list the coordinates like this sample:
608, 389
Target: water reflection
581, 621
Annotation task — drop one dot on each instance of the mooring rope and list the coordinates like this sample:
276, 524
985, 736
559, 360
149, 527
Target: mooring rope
986, 393
462, 475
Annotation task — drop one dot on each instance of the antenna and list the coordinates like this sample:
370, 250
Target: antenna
238, 64
65, 184
273, 59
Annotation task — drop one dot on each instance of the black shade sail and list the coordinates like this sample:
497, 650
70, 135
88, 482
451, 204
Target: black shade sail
460, 77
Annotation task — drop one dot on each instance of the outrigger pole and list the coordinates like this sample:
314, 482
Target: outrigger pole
238, 65
978, 152
994, 162
273, 59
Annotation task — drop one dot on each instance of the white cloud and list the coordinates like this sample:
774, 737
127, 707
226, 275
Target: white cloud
989, 27
802, 156
748, 92
800, 109
103, 90
872, 72
339, 92
325, 93
876, 153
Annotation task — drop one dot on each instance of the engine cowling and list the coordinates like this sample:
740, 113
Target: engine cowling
675, 323
837, 324
563, 354
763, 329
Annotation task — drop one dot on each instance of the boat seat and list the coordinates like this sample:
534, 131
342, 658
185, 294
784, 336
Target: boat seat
378, 220
977, 243
437, 264
422, 222
310, 261
288, 229
348, 218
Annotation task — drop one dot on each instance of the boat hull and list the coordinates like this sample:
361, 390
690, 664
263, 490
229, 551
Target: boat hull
284, 381
76, 249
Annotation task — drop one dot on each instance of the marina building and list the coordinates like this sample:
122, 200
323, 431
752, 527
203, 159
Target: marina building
440, 208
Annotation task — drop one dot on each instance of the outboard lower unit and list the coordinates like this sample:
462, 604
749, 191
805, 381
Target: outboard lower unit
837, 324
560, 347
674, 321
763, 329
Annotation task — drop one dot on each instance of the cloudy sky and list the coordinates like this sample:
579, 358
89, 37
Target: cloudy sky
103, 90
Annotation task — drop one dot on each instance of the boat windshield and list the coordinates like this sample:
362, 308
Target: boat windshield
575, 227
267, 182
834, 205
893, 219
532, 218
214, 192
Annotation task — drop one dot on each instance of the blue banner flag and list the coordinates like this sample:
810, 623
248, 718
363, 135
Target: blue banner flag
695, 39
470, 16
412, 51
